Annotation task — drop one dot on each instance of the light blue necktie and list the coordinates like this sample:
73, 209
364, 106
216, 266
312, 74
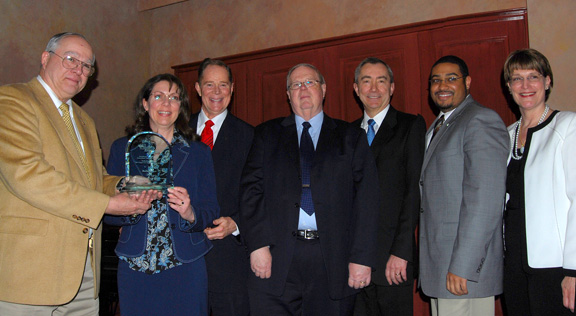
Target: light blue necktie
371, 134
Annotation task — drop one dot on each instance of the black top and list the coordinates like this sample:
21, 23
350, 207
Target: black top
515, 215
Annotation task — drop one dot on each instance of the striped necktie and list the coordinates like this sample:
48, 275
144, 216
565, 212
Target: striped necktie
207, 136
439, 124
68, 122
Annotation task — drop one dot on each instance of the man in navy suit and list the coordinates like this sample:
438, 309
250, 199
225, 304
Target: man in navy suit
397, 143
309, 207
230, 139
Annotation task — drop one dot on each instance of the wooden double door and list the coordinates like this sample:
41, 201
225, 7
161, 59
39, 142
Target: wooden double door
482, 40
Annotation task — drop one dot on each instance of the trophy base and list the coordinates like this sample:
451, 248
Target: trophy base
138, 188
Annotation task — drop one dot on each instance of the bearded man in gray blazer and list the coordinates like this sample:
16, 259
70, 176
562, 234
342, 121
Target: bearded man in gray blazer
463, 191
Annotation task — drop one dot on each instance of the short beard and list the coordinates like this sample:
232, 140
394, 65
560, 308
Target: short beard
447, 107
451, 106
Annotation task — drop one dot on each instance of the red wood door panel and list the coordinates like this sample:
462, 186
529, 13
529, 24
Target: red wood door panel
484, 47
266, 85
400, 52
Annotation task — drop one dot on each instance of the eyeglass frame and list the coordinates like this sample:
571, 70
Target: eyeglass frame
76, 62
519, 80
450, 80
297, 85
165, 97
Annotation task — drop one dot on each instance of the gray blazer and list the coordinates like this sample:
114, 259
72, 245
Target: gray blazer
462, 185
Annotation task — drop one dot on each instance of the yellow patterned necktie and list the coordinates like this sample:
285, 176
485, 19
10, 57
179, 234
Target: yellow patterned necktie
70, 127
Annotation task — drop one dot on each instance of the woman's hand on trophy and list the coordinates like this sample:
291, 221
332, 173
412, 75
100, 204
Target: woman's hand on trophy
179, 201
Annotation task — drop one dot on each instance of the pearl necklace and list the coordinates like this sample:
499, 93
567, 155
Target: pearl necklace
515, 150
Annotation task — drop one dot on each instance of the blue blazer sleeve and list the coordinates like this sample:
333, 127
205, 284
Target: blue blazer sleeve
197, 176
115, 167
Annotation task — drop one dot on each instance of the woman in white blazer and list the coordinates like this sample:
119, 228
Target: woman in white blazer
540, 217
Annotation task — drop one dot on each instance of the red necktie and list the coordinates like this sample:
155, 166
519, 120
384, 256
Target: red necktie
207, 134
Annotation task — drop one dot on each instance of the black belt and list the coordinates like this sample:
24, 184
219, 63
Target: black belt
307, 234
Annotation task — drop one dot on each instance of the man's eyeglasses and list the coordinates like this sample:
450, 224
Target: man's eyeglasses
70, 62
449, 80
520, 80
308, 84
163, 97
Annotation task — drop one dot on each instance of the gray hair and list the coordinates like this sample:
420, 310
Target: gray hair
54, 42
374, 61
320, 77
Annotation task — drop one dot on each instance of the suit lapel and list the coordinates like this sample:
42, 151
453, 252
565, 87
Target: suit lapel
86, 140
57, 122
444, 130
223, 134
385, 131
325, 145
179, 157
429, 149
289, 140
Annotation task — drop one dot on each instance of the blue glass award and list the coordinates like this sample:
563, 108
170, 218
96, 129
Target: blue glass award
148, 163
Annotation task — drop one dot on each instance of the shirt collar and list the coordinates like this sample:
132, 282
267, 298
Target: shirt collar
217, 120
52, 95
378, 118
447, 114
315, 122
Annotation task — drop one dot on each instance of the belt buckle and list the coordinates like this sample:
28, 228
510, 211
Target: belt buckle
309, 234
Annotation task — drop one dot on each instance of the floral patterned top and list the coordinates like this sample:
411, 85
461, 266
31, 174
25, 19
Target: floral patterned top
159, 254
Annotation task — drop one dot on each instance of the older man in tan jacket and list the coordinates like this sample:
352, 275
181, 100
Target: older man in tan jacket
53, 189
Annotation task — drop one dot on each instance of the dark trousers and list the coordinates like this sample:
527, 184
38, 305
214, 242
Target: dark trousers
533, 294
377, 300
306, 291
228, 304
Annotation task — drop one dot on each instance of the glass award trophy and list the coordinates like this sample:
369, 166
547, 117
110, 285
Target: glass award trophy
148, 156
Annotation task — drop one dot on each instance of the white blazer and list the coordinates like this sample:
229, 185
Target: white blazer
550, 192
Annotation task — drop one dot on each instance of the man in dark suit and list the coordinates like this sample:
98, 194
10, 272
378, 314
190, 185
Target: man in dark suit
397, 142
308, 212
230, 139
463, 184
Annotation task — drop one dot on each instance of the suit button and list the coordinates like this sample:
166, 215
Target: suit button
87, 220
421, 210
75, 216
173, 226
85, 230
296, 205
421, 183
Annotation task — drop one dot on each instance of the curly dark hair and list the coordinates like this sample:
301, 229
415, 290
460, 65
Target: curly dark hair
142, 122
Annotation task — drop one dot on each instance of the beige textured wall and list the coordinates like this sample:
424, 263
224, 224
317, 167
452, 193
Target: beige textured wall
207, 28
131, 46
118, 34
552, 29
